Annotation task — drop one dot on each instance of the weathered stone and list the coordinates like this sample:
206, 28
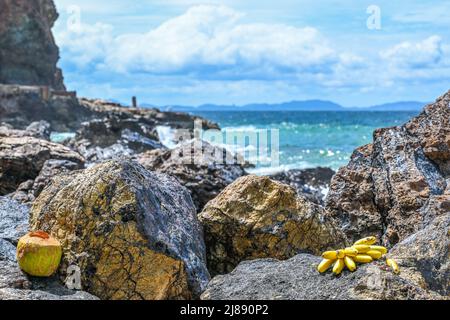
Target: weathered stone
22, 159
198, 166
256, 217
133, 233
298, 279
14, 218
28, 53
387, 184
424, 257
310, 183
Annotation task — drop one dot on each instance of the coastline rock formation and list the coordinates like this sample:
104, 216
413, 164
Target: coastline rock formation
133, 233
199, 166
22, 159
28, 53
395, 186
313, 184
298, 279
256, 217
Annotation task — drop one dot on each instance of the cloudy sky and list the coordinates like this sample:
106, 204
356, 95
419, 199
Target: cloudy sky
189, 52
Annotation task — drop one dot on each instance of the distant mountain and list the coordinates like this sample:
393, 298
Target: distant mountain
308, 105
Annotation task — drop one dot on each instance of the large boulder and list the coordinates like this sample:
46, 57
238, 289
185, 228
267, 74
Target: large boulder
298, 279
198, 166
38, 129
22, 159
256, 217
28, 53
311, 183
134, 234
388, 185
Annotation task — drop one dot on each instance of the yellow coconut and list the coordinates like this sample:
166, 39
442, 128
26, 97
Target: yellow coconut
39, 254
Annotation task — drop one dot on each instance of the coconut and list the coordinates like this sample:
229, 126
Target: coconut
39, 254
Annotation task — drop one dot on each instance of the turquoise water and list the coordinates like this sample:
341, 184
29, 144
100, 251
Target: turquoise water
311, 139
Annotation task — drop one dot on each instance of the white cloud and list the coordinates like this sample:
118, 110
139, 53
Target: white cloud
423, 54
205, 39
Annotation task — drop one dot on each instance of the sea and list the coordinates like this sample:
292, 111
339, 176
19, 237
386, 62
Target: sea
307, 139
311, 139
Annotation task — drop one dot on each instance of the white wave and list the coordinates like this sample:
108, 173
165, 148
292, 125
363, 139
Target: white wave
268, 171
166, 136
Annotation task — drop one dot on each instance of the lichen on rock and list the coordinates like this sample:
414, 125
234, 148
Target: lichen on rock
133, 233
256, 217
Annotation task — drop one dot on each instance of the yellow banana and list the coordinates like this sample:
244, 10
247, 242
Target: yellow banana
351, 265
362, 258
362, 248
394, 266
374, 254
340, 254
338, 266
367, 241
330, 255
351, 252
324, 265
383, 250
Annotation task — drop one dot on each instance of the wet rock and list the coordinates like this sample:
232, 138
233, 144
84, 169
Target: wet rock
310, 183
133, 233
28, 53
22, 159
112, 138
256, 217
199, 166
297, 279
14, 218
387, 185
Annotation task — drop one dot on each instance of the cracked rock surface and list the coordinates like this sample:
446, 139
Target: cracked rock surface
391, 188
256, 217
133, 233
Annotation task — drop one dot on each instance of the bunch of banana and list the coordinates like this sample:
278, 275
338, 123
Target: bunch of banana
362, 251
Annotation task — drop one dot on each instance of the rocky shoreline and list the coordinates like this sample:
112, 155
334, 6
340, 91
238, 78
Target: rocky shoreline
139, 221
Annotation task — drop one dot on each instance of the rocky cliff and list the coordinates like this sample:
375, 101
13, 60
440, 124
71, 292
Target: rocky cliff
28, 53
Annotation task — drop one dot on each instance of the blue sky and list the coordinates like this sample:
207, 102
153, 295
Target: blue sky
189, 52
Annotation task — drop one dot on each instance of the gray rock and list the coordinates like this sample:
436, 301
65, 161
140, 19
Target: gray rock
297, 279
7, 251
425, 258
40, 129
14, 218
